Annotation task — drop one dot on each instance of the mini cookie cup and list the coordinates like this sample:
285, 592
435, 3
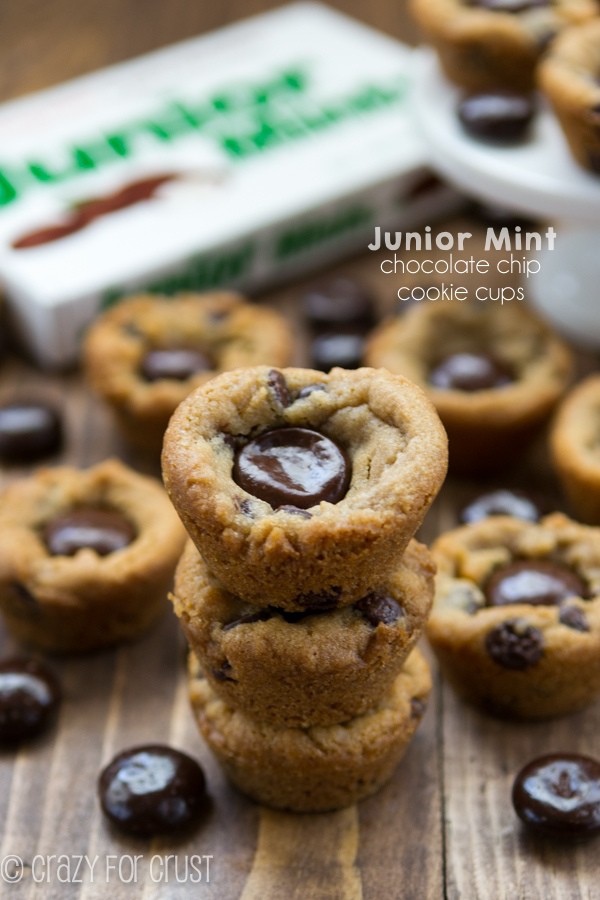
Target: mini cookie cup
314, 769
74, 604
306, 669
568, 76
333, 553
228, 331
487, 49
486, 428
517, 660
575, 449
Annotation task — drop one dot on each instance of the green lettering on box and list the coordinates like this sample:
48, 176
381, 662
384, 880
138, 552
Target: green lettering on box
311, 233
201, 273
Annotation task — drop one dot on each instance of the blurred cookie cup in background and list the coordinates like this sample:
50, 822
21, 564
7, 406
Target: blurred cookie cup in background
494, 374
145, 355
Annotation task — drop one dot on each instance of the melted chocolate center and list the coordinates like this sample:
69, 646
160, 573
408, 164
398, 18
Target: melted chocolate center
175, 364
537, 582
469, 372
292, 467
152, 790
102, 530
559, 795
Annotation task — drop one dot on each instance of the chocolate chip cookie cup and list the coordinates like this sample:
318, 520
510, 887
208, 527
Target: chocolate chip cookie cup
86, 557
301, 487
568, 76
494, 374
516, 618
575, 448
490, 44
314, 769
146, 354
300, 669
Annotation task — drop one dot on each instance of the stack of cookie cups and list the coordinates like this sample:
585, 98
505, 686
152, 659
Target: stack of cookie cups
302, 592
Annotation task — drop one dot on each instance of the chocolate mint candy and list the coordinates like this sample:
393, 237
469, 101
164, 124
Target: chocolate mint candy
340, 301
515, 645
292, 467
502, 117
379, 609
102, 530
343, 350
29, 698
174, 364
538, 582
558, 795
501, 503
28, 431
469, 372
152, 790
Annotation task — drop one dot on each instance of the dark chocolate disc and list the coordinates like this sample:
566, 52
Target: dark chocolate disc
340, 349
292, 467
559, 795
502, 502
28, 431
540, 582
102, 530
469, 372
501, 117
29, 698
174, 364
340, 301
152, 790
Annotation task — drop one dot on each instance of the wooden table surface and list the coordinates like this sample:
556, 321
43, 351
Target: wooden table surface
443, 828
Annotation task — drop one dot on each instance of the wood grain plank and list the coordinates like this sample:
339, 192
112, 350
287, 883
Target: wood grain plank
446, 811
489, 853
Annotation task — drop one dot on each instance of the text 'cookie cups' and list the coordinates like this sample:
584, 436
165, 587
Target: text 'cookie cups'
568, 76
516, 618
575, 446
301, 669
144, 356
86, 557
505, 370
314, 769
367, 440
485, 45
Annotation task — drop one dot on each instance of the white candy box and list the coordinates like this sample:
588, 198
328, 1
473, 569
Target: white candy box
239, 158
